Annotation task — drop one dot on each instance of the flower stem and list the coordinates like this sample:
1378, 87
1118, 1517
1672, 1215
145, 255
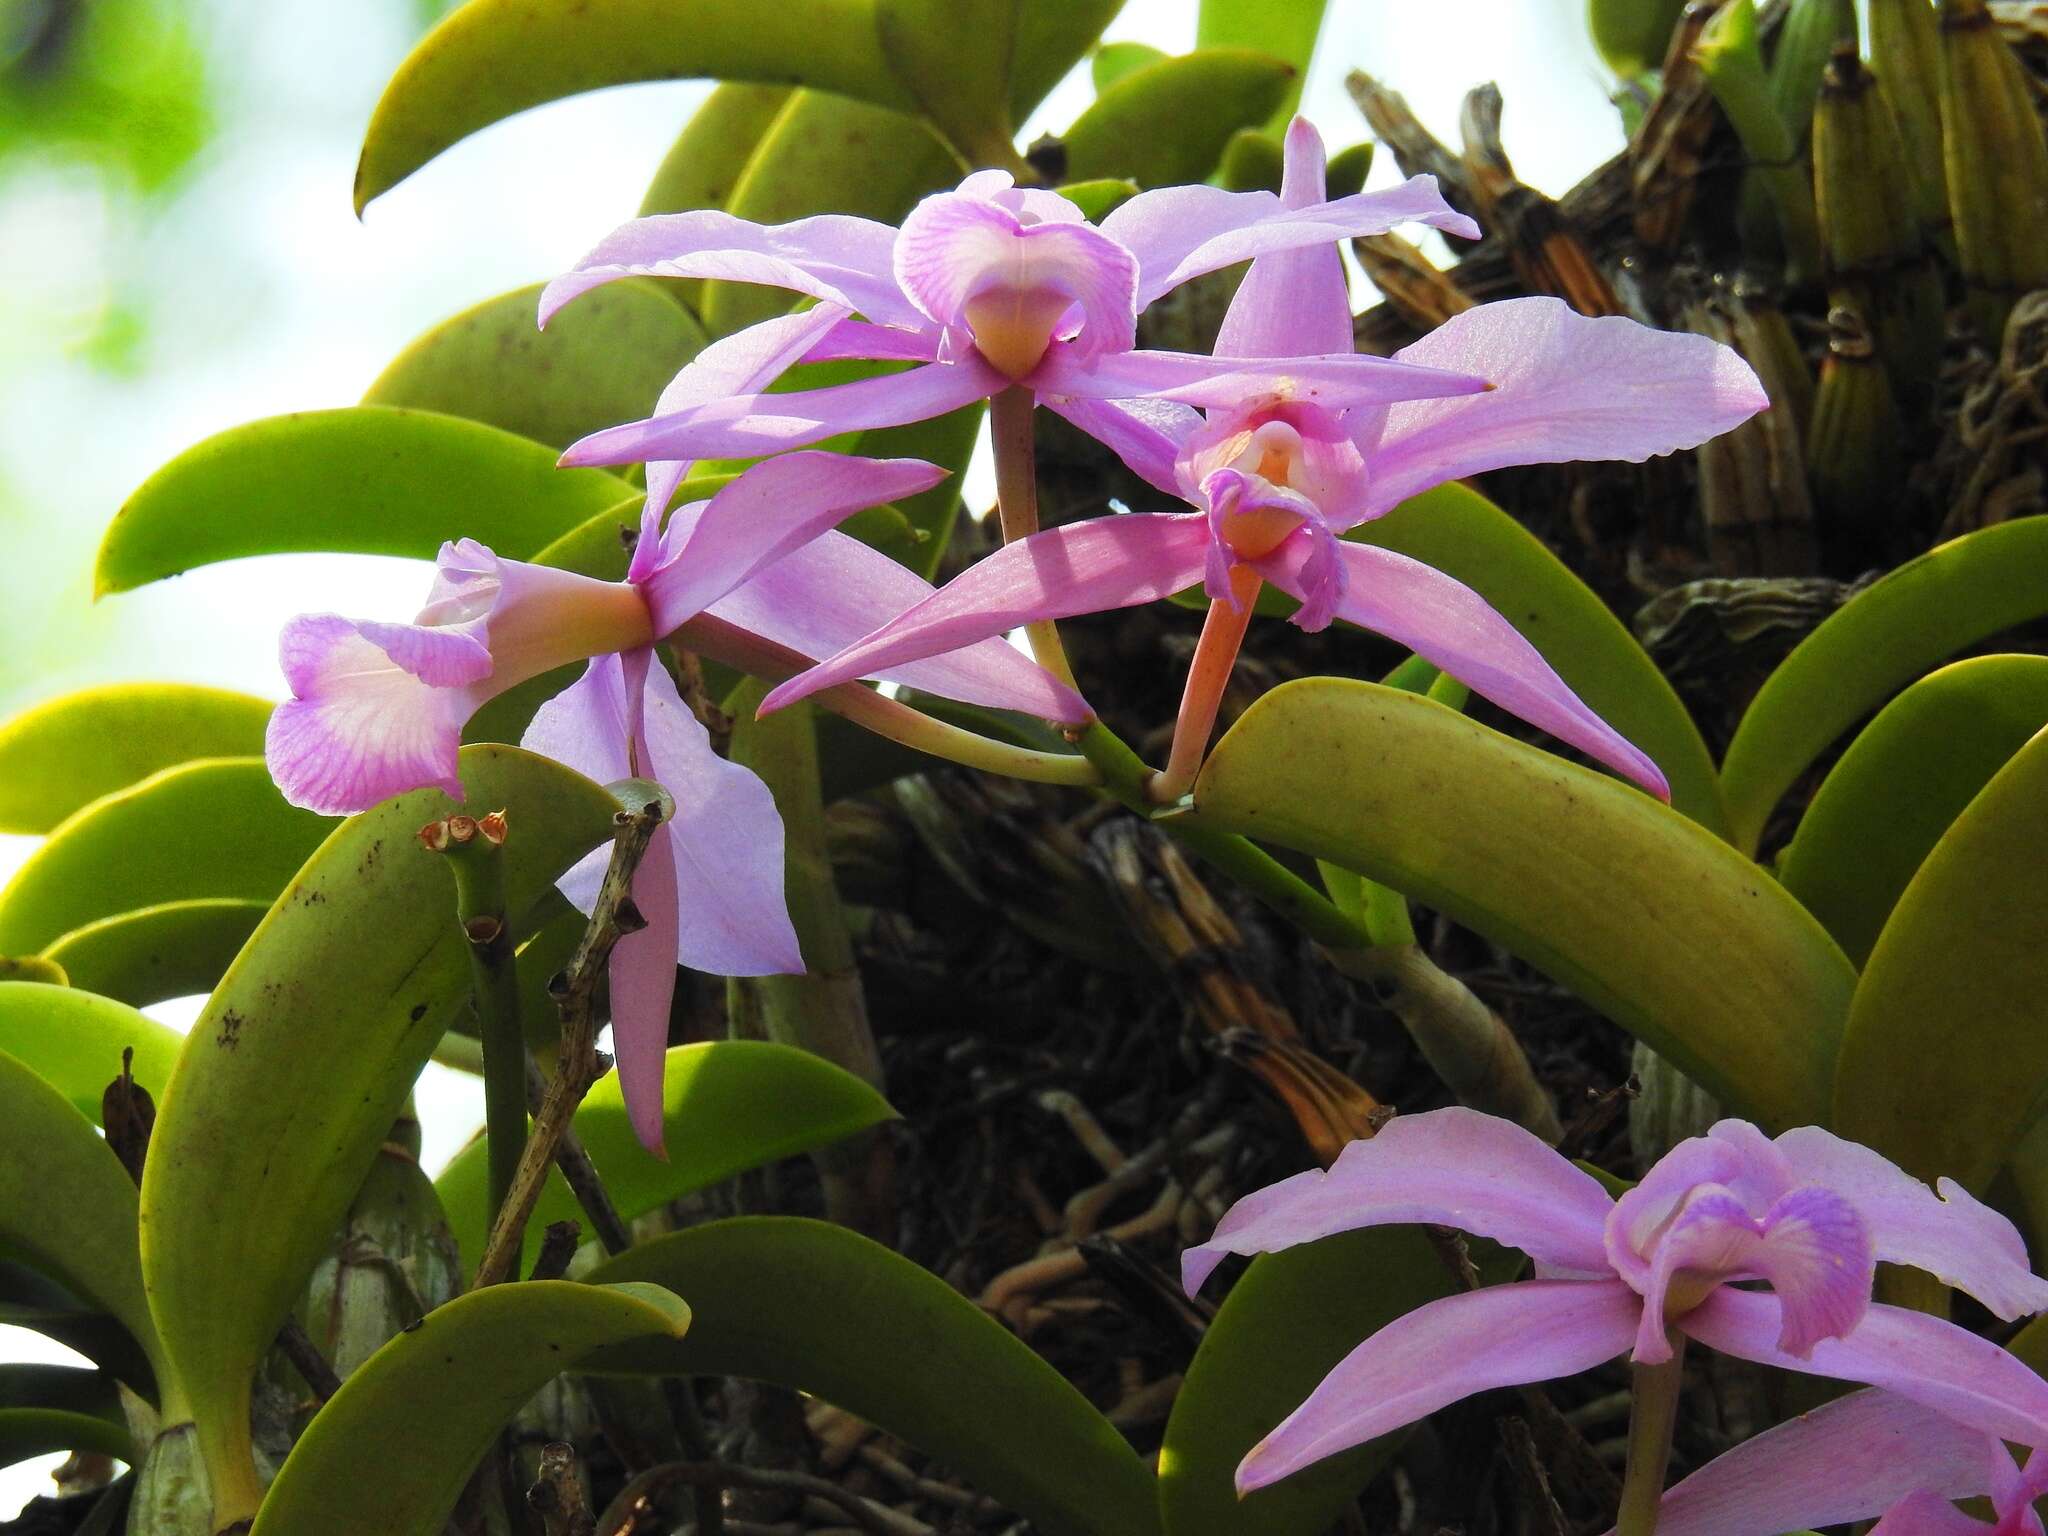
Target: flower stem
1010, 427
1208, 675
914, 728
1651, 1421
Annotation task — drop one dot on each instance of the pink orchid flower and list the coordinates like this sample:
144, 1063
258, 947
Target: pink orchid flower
990, 287
378, 709
1279, 472
1808, 1213
1868, 1454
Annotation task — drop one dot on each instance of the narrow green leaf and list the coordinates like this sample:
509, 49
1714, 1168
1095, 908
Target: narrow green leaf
1113, 61
1944, 1057
491, 58
292, 1076
63, 754
73, 1041
1905, 778
603, 360
1881, 639
32, 1300
1646, 915
729, 1105
1632, 34
213, 828
33, 1384
67, 1206
1286, 29
172, 949
1464, 535
823, 1310
391, 1450
1168, 122
369, 479
28, 1432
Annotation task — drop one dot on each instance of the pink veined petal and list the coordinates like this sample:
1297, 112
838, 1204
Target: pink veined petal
743, 363
1453, 1167
643, 977
1033, 204
1449, 625
1295, 302
1145, 434
1502, 1336
1923, 1513
1336, 382
1812, 1247
773, 507
1642, 1212
1927, 1359
361, 728
1181, 232
834, 257
1851, 1459
751, 426
860, 339
1566, 387
1951, 1234
585, 727
956, 249
1086, 567
825, 595
730, 918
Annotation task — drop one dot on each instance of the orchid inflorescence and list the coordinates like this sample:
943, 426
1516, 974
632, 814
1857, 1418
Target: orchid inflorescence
1277, 445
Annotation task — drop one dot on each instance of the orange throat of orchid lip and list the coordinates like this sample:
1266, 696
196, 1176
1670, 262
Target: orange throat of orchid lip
1256, 532
1013, 326
1269, 452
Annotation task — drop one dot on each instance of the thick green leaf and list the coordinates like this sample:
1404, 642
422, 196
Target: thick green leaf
292, 1076
491, 58
1944, 1057
213, 828
67, 1206
603, 360
32, 1300
1905, 777
729, 1105
391, 1450
954, 58
173, 949
1463, 534
1642, 912
1112, 61
368, 479
1284, 28
75, 1389
1874, 644
1052, 37
1632, 34
1291, 1318
821, 1309
709, 156
27, 1432
63, 754
1097, 200
1168, 122
73, 1041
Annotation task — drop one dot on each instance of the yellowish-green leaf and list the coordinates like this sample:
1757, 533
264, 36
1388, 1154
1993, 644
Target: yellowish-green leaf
69, 751
172, 949
1167, 123
1945, 1058
1642, 912
1112, 61
1632, 34
1905, 778
391, 1450
1881, 639
1284, 28
954, 58
73, 1041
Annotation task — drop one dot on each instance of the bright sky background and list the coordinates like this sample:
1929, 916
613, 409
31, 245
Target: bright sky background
266, 295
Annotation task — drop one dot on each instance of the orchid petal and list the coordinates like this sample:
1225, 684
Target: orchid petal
1850, 1459
1337, 382
1454, 1167
773, 507
834, 257
1178, 233
1924, 1513
1296, 302
752, 426
1565, 387
743, 363
360, 727
859, 340
1504, 1335
1927, 1359
586, 727
1145, 434
1450, 626
956, 249
643, 985
1032, 204
1951, 1234
1087, 567
731, 918
822, 597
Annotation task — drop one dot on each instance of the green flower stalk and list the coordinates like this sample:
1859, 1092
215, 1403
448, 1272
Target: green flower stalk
1905, 54
1813, 30
1731, 59
1996, 159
